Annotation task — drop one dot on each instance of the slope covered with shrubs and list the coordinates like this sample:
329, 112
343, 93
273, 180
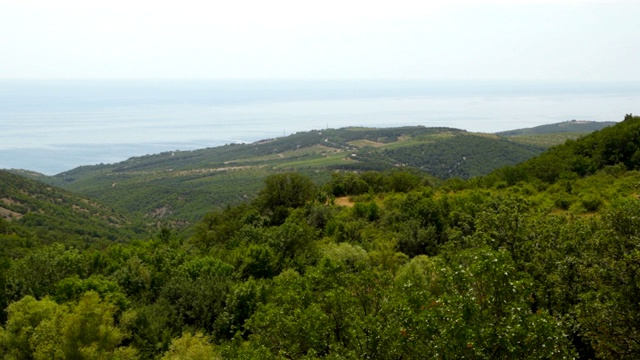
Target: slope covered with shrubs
511, 265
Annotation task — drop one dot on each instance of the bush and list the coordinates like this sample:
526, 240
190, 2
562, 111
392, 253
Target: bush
591, 202
563, 202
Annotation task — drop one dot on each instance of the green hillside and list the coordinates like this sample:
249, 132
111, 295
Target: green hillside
174, 187
612, 149
51, 214
463, 156
571, 127
554, 134
177, 186
535, 261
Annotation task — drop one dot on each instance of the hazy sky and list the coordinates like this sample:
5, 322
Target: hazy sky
330, 39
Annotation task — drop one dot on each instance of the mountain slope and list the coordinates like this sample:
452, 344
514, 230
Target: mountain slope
554, 134
573, 126
616, 148
181, 186
450, 270
464, 156
53, 214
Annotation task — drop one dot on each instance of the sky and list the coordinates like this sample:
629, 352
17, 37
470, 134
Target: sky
539, 40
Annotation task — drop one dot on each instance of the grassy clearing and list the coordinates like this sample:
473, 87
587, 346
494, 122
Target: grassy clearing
401, 144
338, 159
365, 143
436, 136
344, 201
306, 151
544, 140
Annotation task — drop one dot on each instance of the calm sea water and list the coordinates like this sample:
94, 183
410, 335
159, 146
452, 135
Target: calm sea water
54, 126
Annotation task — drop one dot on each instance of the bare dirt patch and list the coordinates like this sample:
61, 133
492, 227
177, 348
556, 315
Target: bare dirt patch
344, 201
160, 212
79, 208
9, 215
8, 201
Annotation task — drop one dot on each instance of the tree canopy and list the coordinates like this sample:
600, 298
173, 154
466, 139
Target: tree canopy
520, 264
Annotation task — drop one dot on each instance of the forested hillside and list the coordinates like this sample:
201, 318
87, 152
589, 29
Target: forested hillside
464, 156
572, 127
535, 261
178, 187
52, 214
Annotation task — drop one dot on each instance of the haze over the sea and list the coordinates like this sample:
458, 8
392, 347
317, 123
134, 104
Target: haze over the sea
54, 126
480, 65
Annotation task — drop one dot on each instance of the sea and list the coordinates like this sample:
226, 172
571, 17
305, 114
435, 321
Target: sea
51, 126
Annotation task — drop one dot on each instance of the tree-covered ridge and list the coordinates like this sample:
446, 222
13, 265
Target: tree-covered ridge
382, 265
615, 148
51, 213
178, 187
430, 272
231, 154
463, 156
573, 126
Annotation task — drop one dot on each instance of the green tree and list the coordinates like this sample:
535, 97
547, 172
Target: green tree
402, 181
477, 306
196, 294
45, 330
609, 312
294, 245
73, 288
285, 191
152, 328
191, 347
39, 271
24, 317
219, 227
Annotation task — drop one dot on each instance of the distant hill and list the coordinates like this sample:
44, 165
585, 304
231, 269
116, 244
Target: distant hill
180, 186
573, 126
543, 254
464, 156
53, 214
554, 134
616, 148
183, 185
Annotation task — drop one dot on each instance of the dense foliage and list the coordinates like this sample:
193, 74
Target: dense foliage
379, 265
573, 126
463, 156
52, 214
617, 146
179, 187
